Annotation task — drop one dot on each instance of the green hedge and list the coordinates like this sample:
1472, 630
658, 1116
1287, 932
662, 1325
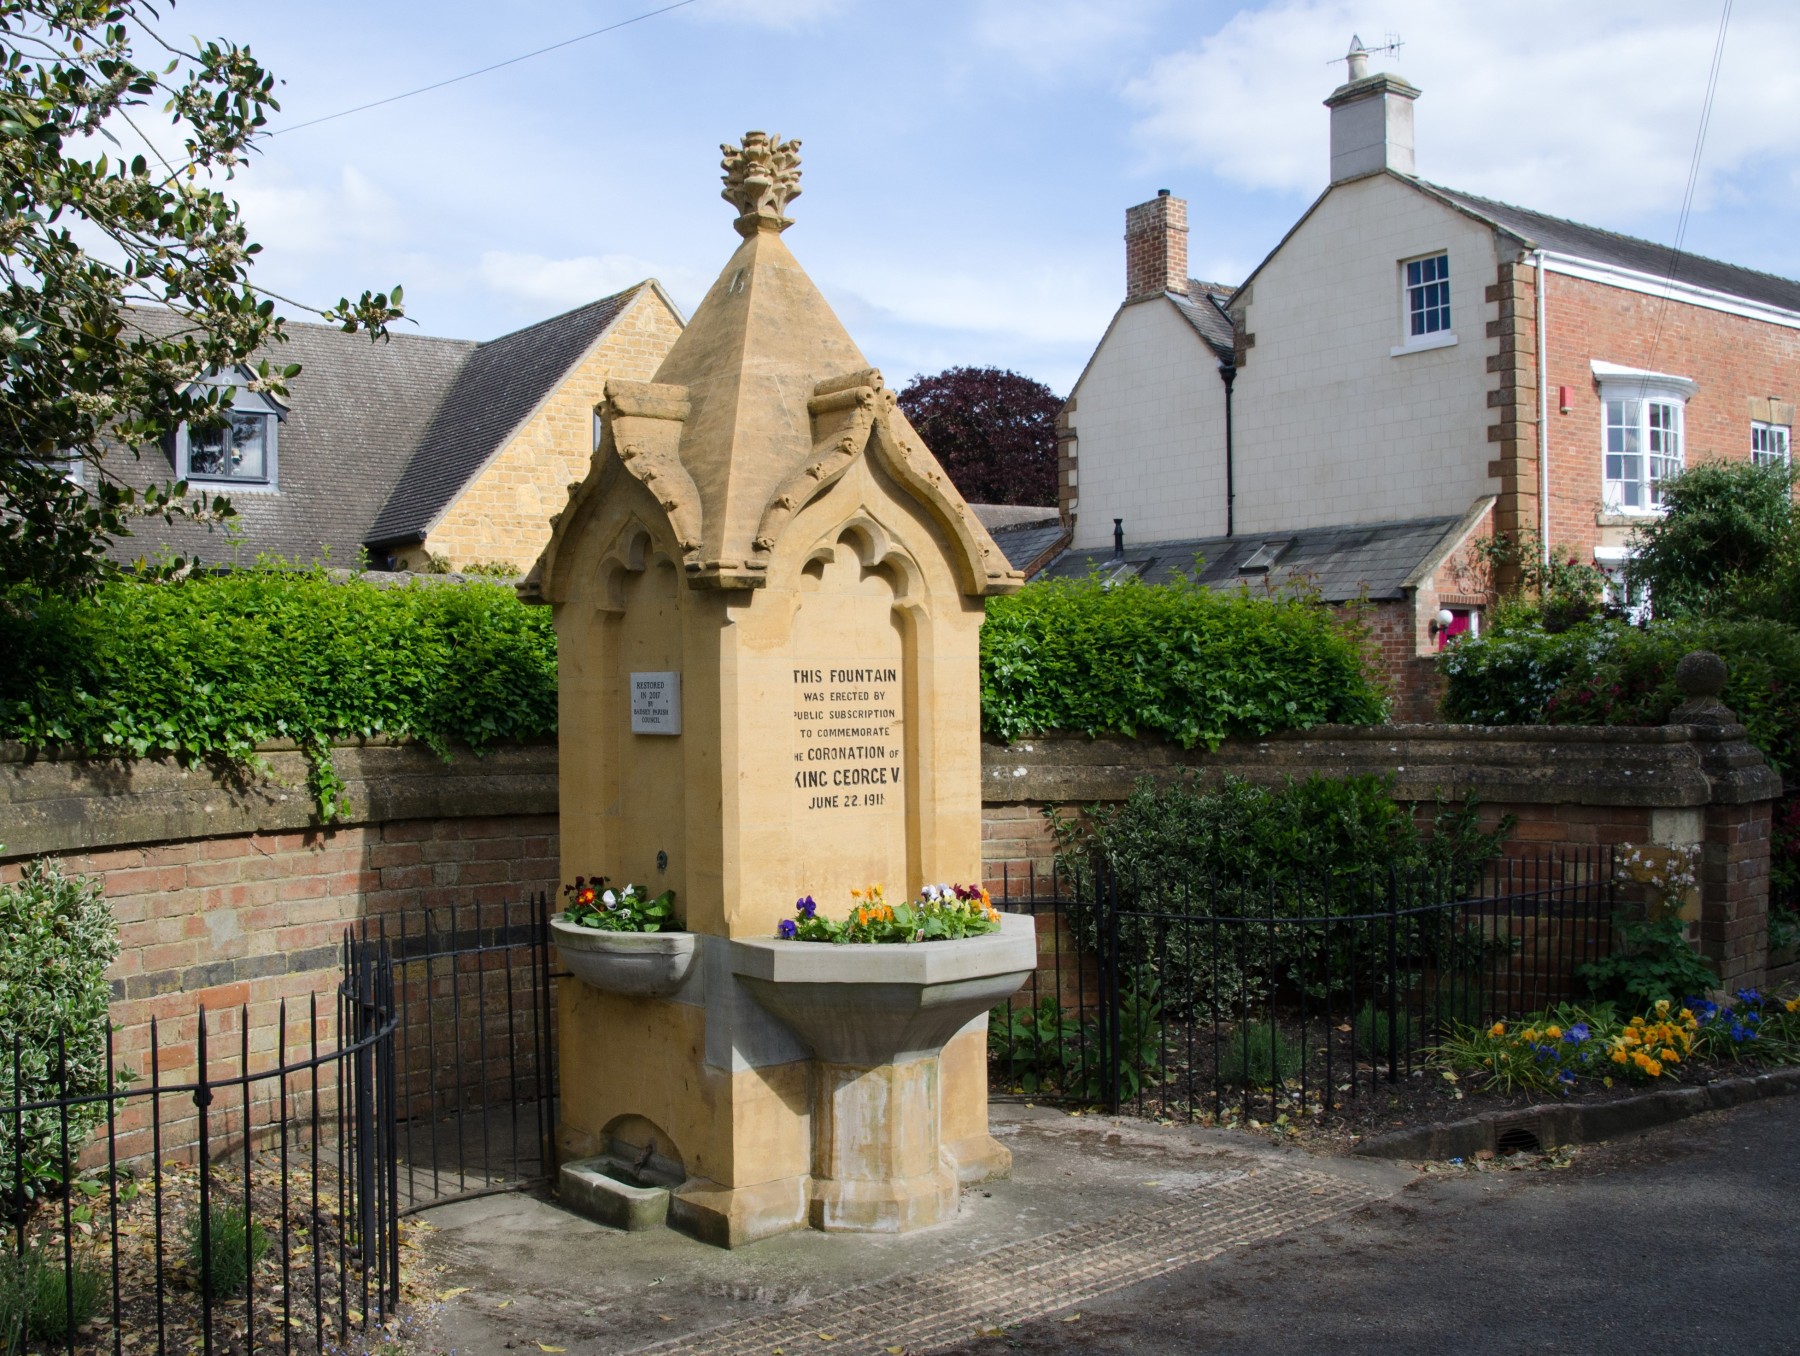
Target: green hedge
1177, 660
1612, 673
208, 667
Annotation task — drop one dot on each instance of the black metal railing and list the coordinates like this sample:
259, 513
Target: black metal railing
1283, 995
474, 1000
239, 1195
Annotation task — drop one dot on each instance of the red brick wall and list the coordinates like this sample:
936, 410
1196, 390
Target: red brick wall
251, 920
1734, 359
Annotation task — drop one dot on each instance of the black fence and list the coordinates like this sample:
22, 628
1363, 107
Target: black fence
1284, 996
474, 1050
238, 1195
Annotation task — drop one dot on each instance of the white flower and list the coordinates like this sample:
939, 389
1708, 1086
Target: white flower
610, 899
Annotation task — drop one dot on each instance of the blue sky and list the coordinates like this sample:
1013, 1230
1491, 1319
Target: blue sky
966, 164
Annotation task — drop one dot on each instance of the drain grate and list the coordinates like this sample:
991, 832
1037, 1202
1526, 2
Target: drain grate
1519, 1135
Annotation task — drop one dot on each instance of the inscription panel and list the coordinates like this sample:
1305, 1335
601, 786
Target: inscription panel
847, 737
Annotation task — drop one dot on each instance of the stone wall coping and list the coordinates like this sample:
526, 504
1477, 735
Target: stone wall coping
71, 804
1664, 766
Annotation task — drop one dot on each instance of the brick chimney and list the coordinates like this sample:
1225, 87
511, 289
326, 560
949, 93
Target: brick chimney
1156, 246
1371, 121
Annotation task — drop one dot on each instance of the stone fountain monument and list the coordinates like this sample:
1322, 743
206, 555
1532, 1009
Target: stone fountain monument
767, 600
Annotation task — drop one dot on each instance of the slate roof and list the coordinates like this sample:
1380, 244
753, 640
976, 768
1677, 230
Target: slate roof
1340, 561
1623, 251
1204, 309
502, 382
354, 417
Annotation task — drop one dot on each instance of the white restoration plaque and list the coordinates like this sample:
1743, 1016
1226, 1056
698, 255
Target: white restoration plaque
656, 703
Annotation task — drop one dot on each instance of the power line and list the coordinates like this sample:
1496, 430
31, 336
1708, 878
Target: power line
470, 75
1693, 179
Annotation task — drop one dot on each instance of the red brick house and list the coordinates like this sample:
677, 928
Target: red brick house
1410, 369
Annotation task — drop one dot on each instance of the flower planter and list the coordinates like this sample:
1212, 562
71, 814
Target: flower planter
876, 1018
638, 964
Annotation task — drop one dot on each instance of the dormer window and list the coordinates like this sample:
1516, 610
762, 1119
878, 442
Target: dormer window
241, 449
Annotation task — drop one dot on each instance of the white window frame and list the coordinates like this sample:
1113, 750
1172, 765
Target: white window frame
1614, 563
1444, 334
245, 403
1771, 444
1643, 435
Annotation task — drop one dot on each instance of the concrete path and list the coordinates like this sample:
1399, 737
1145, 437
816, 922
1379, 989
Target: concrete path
1094, 1205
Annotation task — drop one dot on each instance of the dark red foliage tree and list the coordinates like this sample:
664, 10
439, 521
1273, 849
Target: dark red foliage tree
993, 432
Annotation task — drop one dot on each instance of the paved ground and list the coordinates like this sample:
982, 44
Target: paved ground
1682, 1240
1092, 1205
1132, 1238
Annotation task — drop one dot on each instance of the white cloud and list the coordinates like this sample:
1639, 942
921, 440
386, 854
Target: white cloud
1588, 110
296, 218
565, 283
1049, 37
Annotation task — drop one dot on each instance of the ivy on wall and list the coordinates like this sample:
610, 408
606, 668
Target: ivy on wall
208, 667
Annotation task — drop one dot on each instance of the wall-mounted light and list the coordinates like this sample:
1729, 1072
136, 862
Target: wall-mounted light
1443, 621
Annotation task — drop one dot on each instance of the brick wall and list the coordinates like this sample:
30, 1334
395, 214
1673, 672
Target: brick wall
505, 513
1736, 361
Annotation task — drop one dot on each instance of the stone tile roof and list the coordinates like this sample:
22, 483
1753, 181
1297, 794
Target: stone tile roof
1341, 561
1024, 544
502, 382
1204, 309
355, 414
1623, 251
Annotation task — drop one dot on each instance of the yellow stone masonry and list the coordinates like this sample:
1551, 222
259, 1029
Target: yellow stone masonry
505, 514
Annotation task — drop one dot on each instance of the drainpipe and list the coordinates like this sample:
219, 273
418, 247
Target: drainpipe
1228, 374
1543, 357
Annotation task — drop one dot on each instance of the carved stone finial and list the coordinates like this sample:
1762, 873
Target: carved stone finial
761, 177
1701, 673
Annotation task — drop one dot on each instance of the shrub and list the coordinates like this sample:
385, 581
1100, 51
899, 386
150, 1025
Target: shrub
1257, 1055
1178, 660
208, 667
59, 939
1651, 963
43, 1300
1611, 673
1726, 527
235, 1243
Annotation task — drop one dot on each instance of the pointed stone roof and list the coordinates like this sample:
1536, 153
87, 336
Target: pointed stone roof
761, 405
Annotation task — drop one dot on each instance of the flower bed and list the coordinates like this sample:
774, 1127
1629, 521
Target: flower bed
630, 908
941, 913
1558, 1049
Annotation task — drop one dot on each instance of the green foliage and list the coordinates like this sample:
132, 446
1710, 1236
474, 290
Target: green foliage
208, 667
1374, 1025
1045, 1050
42, 1299
1651, 961
1549, 1051
1558, 586
630, 908
234, 1244
1191, 664
1610, 673
1257, 1054
59, 940
1268, 855
1728, 527
76, 376
1184, 839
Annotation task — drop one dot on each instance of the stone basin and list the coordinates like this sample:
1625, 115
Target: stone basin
876, 1018
867, 1005
638, 964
